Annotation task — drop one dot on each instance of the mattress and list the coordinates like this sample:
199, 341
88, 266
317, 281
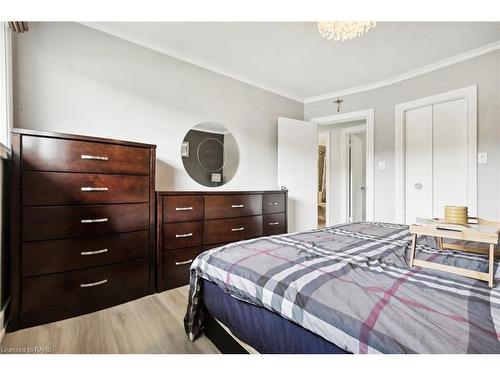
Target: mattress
351, 285
263, 330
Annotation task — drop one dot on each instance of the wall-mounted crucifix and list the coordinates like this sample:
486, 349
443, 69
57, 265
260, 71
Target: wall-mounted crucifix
338, 102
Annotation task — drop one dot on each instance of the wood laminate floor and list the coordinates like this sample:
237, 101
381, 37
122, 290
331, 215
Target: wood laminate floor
153, 324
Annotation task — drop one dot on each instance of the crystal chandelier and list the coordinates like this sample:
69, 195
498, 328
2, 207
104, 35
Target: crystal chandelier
344, 30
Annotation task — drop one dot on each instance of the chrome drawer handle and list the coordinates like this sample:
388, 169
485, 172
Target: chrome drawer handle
273, 203
274, 223
237, 229
94, 252
184, 262
183, 235
94, 157
183, 208
89, 285
92, 188
237, 205
88, 221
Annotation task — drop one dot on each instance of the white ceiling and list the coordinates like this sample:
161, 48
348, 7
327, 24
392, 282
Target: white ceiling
291, 58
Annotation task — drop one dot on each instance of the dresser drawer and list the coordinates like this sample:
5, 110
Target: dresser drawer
42, 292
272, 203
180, 235
176, 264
52, 154
46, 223
55, 188
43, 257
182, 208
274, 224
232, 205
231, 230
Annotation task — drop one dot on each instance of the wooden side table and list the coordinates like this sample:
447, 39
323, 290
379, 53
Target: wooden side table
488, 234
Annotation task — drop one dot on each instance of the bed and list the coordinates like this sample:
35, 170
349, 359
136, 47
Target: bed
343, 289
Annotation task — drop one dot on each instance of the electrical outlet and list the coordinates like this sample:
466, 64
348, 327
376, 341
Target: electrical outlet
482, 158
381, 164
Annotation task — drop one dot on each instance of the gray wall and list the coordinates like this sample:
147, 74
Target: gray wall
70, 78
483, 71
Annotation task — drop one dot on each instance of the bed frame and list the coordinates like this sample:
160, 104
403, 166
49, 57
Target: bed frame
219, 336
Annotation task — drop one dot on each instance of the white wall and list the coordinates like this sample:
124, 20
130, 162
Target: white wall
483, 71
70, 78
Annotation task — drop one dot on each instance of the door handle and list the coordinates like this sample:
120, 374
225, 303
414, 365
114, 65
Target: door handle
418, 186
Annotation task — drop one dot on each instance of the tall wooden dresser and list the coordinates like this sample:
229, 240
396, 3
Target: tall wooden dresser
82, 225
189, 223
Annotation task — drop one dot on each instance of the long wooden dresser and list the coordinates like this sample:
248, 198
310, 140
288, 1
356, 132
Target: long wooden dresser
83, 229
189, 223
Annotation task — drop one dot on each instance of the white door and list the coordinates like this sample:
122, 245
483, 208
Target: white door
298, 171
357, 180
436, 159
418, 126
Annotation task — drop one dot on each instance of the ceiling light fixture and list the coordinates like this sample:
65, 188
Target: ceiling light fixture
344, 30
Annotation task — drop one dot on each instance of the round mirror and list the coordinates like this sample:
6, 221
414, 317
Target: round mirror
210, 154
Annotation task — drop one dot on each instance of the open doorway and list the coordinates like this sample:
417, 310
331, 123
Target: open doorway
298, 167
342, 172
323, 156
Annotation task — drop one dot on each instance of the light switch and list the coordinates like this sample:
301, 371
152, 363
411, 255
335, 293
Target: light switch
381, 164
482, 158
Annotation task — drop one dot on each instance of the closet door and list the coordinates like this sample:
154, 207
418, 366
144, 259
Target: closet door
419, 187
450, 155
436, 155
437, 160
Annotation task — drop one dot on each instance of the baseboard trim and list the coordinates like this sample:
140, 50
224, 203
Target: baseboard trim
4, 319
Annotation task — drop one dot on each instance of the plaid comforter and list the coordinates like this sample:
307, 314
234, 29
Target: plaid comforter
351, 284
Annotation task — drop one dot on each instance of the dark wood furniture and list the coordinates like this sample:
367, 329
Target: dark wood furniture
83, 230
189, 223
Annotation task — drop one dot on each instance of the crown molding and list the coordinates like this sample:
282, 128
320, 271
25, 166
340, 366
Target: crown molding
161, 48
411, 74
